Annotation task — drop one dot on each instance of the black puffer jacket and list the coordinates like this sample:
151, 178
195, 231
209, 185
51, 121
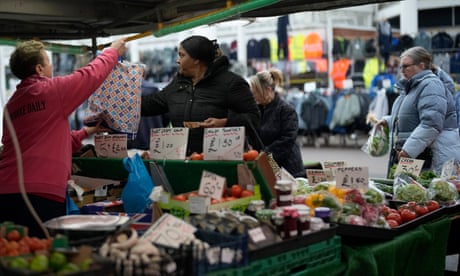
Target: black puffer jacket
278, 131
220, 94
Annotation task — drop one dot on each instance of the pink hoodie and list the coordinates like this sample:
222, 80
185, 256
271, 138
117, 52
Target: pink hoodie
39, 110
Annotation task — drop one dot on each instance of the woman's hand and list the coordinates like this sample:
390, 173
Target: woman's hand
96, 129
401, 154
214, 122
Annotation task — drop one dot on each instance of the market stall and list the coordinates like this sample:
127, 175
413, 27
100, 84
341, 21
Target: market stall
416, 247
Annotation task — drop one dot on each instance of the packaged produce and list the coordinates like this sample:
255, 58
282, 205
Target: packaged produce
442, 191
407, 189
378, 142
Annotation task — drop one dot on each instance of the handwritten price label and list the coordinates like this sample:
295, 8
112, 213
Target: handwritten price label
212, 185
333, 165
223, 143
169, 230
111, 146
409, 165
168, 143
352, 177
317, 176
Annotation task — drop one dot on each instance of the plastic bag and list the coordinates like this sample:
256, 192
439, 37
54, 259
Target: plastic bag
407, 189
118, 100
378, 142
136, 193
442, 191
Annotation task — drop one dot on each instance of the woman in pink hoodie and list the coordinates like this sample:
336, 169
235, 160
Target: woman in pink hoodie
39, 111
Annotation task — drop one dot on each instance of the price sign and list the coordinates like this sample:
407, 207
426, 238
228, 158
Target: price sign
212, 185
448, 169
169, 230
352, 178
409, 165
333, 165
199, 204
111, 145
317, 176
257, 235
168, 143
223, 143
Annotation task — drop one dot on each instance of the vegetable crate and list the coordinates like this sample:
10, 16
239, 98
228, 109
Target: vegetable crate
183, 175
224, 252
300, 261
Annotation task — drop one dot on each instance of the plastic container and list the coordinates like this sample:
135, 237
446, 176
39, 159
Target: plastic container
283, 190
299, 261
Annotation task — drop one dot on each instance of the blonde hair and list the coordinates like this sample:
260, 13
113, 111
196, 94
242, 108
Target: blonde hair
266, 79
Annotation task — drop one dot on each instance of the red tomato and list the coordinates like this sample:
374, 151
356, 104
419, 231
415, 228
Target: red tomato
180, 197
421, 209
394, 216
214, 201
432, 205
247, 193
250, 155
392, 223
236, 190
408, 215
411, 204
13, 235
196, 156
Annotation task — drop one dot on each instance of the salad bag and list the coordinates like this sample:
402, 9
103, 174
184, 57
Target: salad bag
378, 142
136, 193
118, 100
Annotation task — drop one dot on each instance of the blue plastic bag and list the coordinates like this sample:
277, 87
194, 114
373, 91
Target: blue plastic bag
136, 193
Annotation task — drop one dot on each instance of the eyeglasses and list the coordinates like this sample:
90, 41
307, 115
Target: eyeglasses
405, 66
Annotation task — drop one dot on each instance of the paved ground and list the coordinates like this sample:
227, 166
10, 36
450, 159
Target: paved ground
347, 148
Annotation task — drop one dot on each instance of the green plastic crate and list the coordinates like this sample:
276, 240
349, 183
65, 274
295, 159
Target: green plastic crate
300, 261
183, 175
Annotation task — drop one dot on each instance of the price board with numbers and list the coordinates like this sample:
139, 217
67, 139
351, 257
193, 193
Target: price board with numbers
333, 165
169, 230
223, 143
317, 176
111, 146
168, 143
409, 165
352, 178
212, 185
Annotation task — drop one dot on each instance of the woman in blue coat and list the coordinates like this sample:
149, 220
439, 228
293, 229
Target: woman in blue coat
279, 124
423, 119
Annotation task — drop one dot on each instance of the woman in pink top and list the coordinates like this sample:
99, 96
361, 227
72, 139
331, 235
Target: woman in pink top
39, 111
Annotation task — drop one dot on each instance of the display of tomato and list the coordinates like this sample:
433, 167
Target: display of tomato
394, 216
13, 235
408, 215
250, 155
236, 190
392, 223
432, 205
197, 156
246, 193
180, 197
421, 209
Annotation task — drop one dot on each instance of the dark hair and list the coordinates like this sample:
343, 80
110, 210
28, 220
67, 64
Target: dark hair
26, 56
201, 48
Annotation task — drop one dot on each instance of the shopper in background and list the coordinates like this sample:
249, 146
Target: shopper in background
39, 111
279, 124
205, 91
423, 119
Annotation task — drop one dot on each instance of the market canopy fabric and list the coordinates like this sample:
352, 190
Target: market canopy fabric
57, 19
